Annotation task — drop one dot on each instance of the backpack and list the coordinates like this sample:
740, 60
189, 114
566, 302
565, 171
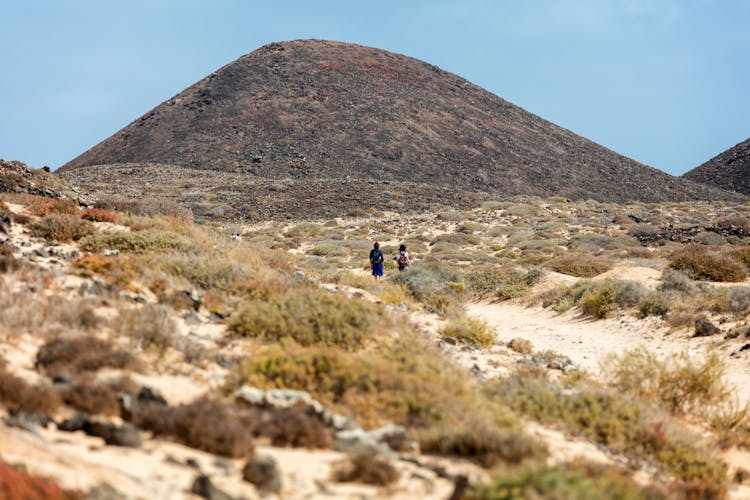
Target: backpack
377, 257
402, 259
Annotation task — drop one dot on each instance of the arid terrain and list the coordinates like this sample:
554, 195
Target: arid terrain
536, 348
728, 170
328, 125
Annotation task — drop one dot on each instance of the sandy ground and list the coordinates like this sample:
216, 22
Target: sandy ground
588, 343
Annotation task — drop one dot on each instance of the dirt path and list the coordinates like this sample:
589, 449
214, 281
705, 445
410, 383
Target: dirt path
588, 343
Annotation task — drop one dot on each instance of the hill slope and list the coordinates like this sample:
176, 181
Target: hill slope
729, 170
322, 110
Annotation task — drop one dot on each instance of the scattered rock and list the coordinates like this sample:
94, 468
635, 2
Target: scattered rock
126, 435
105, 491
704, 328
375, 441
264, 473
203, 487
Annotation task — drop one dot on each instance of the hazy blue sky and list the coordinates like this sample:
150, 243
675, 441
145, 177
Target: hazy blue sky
662, 81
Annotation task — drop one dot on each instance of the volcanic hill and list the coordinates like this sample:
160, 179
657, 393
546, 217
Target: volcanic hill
314, 127
729, 170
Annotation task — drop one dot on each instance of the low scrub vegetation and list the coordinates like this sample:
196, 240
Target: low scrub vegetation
99, 215
564, 482
609, 418
17, 394
83, 353
206, 424
701, 265
483, 442
135, 242
366, 468
579, 265
42, 207
308, 316
469, 331
63, 228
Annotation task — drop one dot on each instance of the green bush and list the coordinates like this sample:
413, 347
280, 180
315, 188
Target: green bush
135, 242
705, 266
308, 317
63, 228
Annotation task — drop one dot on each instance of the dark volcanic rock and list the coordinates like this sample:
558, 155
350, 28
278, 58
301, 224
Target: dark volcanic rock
334, 121
729, 170
16, 177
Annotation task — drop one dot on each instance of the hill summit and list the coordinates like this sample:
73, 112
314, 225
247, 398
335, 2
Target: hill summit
729, 170
310, 112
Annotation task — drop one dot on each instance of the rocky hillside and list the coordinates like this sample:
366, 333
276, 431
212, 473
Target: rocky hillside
311, 110
729, 170
16, 177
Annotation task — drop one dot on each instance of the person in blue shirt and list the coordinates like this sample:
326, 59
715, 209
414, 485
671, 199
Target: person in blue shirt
376, 261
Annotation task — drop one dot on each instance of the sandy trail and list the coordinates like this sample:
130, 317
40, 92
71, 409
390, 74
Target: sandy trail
588, 343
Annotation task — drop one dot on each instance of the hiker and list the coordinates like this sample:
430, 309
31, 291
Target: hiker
402, 258
376, 261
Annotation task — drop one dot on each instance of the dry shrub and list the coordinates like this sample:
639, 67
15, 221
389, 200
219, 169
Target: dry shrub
579, 265
609, 418
94, 399
738, 299
504, 282
8, 261
150, 326
135, 242
81, 354
309, 316
117, 204
741, 255
429, 285
18, 485
99, 215
207, 272
118, 271
481, 441
679, 382
63, 228
155, 207
470, 331
206, 424
298, 426
709, 267
407, 381
367, 468
16, 393
43, 207
263, 289
678, 281
459, 238
565, 482
521, 346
